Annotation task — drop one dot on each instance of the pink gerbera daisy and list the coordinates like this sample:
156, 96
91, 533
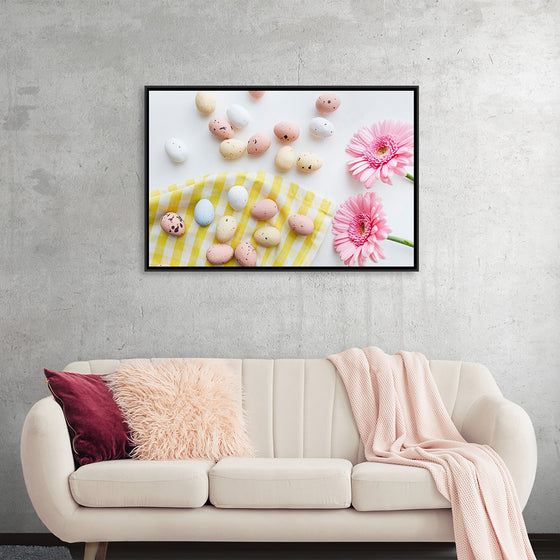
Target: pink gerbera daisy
385, 148
359, 223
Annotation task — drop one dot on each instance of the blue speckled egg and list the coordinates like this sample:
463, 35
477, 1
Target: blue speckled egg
204, 212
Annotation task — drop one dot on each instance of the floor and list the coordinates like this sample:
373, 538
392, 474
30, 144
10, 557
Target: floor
544, 550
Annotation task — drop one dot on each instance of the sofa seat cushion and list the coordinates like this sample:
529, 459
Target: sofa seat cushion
281, 483
382, 487
136, 483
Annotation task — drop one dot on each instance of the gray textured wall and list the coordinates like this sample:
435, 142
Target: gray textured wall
71, 179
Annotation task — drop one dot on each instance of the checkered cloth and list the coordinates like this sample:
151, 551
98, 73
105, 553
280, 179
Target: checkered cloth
190, 249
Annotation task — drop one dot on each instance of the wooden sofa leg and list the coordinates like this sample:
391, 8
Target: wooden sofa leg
95, 551
90, 551
102, 550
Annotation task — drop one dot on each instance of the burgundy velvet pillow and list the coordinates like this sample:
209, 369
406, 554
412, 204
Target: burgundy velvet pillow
95, 423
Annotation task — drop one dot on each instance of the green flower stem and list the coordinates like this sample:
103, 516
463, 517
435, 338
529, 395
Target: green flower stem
400, 240
409, 176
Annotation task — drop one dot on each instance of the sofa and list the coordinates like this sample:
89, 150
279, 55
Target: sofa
308, 481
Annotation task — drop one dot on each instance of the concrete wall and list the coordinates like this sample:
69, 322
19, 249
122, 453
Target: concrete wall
71, 180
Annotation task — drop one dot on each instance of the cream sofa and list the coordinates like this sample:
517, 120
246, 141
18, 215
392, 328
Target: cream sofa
309, 481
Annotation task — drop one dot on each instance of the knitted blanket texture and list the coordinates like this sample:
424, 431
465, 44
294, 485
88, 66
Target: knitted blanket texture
402, 420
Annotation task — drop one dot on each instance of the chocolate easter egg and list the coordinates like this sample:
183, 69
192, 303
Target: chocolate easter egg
172, 224
246, 254
220, 128
258, 144
327, 103
308, 162
219, 253
286, 132
264, 210
238, 116
238, 197
204, 212
176, 150
300, 224
205, 102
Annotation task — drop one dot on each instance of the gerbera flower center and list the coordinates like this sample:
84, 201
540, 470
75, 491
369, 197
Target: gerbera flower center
361, 228
382, 150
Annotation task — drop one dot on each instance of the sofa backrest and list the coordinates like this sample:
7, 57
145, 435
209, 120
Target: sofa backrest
299, 407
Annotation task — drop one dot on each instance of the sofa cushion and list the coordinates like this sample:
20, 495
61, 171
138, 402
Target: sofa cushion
382, 486
281, 483
135, 483
95, 423
181, 409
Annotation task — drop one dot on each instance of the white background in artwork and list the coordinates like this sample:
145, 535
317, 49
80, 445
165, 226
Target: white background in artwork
174, 114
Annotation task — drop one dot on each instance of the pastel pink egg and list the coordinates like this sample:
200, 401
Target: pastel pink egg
264, 210
258, 144
286, 132
327, 103
246, 254
221, 128
219, 253
256, 94
300, 224
172, 224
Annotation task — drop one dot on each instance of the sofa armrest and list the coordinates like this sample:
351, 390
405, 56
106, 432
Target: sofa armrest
47, 461
507, 428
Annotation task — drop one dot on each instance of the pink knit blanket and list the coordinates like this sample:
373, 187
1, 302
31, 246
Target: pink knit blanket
402, 420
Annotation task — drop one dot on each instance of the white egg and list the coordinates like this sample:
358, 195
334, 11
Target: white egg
176, 150
238, 116
321, 127
238, 197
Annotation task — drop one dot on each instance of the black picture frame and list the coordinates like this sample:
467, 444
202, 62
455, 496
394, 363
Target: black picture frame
376, 268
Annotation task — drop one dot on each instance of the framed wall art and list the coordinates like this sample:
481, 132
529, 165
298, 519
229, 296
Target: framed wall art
281, 177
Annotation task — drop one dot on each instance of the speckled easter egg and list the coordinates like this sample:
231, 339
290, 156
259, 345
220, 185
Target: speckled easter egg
267, 236
232, 148
258, 144
264, 210
219, 253
220, 128
238, 197
285, 158
300, 224
176, 150
286, 132
321, 127
172, 224
246, 254
256, 94
238, 116
308, 162
204, 212
226, 228
327, 103
205, 102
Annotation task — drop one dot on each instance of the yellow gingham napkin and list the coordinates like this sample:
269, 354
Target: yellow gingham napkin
190, 249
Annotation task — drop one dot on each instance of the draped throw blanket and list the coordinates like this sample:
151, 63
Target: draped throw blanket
402, 420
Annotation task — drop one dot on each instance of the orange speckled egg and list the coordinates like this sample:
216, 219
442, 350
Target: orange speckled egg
219, 253
300, 224
246, 254
286, 132
264, 210
172, 224
258, 144
221, 128
327, 103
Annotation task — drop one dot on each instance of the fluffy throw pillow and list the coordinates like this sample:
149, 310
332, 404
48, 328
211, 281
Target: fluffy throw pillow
181, 409
95, 423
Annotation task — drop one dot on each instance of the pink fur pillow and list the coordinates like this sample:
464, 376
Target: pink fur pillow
181, 409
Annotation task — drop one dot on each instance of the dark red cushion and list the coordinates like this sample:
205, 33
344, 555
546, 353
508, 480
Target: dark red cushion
97, 429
